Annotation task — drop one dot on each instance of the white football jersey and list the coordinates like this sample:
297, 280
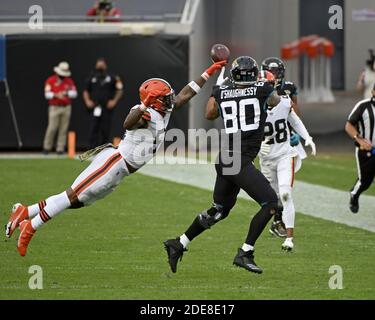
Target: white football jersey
276, 130
139, 146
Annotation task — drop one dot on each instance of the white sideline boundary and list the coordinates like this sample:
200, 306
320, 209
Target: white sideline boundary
313, 200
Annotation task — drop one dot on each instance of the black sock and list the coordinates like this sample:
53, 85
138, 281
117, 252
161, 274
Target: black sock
257, 225
194, 230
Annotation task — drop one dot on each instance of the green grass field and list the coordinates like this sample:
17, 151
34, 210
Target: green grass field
113, 249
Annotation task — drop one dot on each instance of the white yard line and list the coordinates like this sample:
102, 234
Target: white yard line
313, 200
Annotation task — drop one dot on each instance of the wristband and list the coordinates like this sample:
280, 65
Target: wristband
142, 107
194, 86
205, 76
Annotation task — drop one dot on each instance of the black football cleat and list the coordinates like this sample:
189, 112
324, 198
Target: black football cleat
175, 251
353, 205
246, 260
277, 229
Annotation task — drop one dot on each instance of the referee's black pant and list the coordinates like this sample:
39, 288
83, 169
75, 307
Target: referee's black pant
366, 172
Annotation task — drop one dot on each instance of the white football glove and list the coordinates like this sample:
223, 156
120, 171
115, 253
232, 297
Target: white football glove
309, 143
265, 148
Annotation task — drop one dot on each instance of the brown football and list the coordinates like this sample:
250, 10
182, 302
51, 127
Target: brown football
219, 52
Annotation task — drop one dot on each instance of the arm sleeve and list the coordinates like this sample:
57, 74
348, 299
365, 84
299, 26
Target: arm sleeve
298, 125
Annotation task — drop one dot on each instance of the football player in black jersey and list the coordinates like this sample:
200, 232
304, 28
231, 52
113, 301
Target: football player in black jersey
243, 106
283, 87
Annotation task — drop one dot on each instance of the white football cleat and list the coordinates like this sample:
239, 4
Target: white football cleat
287, 245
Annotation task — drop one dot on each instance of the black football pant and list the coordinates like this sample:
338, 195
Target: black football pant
227, 187
366, 172
100, 128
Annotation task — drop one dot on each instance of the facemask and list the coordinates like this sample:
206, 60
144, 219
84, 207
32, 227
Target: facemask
100, 70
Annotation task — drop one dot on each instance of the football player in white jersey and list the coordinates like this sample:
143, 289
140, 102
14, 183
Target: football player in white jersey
278, 159
145, 128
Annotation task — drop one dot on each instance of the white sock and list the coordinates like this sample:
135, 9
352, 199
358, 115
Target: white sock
289, 238
54, 205
246, 247
184, 240
37, 222
34, 209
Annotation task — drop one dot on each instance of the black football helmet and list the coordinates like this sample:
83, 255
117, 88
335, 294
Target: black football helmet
244, 70
276, 66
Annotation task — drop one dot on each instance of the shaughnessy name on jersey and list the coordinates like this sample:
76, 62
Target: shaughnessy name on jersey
235, 93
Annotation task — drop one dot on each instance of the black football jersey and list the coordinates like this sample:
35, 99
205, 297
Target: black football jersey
287, 88
244, 112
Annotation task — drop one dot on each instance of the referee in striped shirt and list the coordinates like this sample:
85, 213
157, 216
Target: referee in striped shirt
361, 127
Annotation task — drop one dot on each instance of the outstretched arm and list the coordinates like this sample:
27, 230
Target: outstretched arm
298, 125
192, 88
300, 128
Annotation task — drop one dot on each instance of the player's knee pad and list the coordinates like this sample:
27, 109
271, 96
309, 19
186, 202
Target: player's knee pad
212, 216
271, 206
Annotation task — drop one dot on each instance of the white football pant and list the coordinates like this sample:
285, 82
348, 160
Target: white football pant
101, 177
280, 174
